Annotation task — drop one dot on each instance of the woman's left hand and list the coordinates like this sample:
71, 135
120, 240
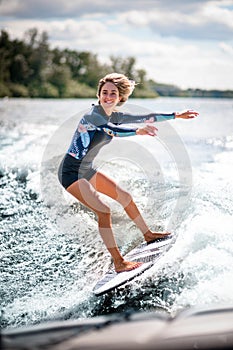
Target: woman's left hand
189, 114
147, 130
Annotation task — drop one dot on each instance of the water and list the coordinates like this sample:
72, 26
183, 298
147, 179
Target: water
51, 252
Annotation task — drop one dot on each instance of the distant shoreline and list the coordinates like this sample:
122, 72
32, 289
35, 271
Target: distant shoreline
154, 90
182, 94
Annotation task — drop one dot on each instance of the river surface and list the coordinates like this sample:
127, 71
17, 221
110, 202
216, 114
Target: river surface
50, 249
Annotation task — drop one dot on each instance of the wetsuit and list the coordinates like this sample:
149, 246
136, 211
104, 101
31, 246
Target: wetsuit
95, 130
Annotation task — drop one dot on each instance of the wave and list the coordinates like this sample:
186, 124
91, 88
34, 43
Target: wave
51, 252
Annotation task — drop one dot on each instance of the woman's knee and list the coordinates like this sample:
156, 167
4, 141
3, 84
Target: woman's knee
124, 198
103, 209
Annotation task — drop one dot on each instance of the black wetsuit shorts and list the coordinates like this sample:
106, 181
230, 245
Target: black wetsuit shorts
72, 169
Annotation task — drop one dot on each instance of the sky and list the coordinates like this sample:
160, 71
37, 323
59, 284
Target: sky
187, 43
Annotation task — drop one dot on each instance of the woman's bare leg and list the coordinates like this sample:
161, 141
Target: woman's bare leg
87, 195
107, 186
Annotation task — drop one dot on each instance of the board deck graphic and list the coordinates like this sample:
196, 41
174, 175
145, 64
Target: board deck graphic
146, 253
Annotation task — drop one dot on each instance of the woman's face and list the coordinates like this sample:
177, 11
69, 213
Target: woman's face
109, 97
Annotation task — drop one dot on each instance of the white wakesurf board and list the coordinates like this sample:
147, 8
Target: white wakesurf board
146, 253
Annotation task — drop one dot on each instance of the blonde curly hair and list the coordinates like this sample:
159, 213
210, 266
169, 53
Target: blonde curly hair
124, 85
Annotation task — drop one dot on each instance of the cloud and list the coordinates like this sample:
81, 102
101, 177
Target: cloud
193, 19
64, 8
226, 48
196, 72
38, 9
209, 22
67, 33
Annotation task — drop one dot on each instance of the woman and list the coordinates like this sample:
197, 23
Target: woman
96, 129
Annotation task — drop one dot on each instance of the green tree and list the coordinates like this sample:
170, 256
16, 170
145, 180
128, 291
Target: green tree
60, 78
141, 77
38, 55
5, 59
124, 66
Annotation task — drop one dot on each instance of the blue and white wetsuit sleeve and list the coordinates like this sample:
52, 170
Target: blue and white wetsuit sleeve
124, 118
100, 122
117, 131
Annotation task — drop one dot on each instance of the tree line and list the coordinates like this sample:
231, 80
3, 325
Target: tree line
30, 68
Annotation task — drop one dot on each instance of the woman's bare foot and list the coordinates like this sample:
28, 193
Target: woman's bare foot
126, 265
151, 236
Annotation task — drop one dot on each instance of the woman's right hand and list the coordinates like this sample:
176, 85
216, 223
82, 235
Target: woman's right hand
147, 130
